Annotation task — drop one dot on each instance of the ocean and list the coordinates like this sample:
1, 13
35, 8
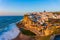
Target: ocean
6, 20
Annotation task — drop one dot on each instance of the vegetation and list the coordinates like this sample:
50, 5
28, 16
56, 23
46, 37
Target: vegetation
27, 32
56, 13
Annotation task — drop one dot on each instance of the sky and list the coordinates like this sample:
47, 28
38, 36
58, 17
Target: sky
29, 5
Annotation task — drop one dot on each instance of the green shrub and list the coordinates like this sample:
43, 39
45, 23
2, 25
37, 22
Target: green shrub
27, 32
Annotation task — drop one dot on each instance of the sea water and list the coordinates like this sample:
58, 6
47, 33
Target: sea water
7, 20
57, 37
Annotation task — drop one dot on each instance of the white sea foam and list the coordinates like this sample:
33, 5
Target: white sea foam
12, 33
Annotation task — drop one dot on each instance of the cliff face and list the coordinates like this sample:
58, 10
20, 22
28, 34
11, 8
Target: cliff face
23, 37
36, 28
43, 25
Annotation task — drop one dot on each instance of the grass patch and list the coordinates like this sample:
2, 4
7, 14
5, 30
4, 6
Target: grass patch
27, 32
